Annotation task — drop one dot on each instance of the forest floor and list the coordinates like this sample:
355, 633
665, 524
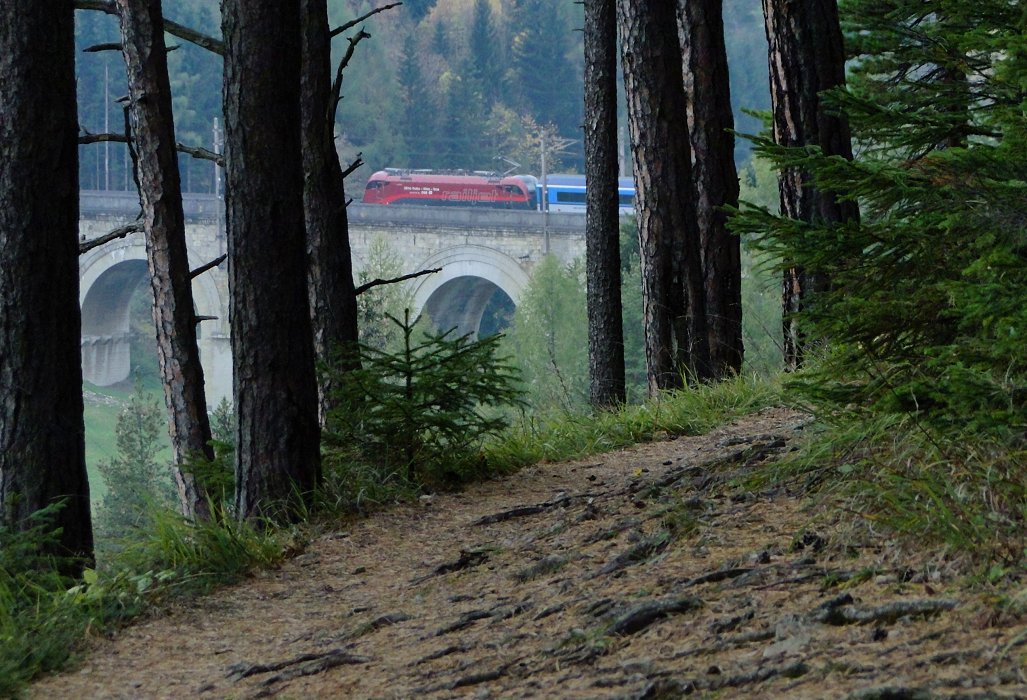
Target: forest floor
643, 573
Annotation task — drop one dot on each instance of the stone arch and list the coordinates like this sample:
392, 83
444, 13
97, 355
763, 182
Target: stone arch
108, 278
473, 280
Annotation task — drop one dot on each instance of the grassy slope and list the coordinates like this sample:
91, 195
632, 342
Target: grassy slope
102, 407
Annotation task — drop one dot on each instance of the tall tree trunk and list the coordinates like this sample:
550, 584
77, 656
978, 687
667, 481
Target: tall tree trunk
42, 437
602, 221
160, 192
275, 388
673, 303
806, 57
701, 30
333, 302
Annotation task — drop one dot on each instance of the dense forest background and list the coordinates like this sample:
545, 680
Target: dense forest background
440, 84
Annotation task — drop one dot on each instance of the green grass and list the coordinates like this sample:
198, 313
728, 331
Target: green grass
44, 619
559, 435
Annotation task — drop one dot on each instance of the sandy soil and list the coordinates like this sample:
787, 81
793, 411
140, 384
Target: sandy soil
635, 574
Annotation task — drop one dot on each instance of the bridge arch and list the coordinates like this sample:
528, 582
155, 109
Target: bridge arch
109, 277
474, 284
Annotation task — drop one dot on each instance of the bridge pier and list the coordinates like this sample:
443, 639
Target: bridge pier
106, 359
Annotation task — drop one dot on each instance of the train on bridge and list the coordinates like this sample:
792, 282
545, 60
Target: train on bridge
558, 193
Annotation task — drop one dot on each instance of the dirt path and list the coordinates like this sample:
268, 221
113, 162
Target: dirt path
635, 574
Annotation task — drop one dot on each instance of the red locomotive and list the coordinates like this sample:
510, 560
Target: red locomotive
455, 189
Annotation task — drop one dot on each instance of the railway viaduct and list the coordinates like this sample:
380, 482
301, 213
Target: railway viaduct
486, 258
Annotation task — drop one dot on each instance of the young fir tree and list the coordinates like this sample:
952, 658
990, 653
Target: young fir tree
925, 312
137, 480
424, 408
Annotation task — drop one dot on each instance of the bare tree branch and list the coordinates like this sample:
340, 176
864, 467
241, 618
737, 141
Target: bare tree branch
354, 22
120, 232
97, 48
87, 138
193, 274
201, 153
379, 282
336, 96
195, 151
357, 162
204, 41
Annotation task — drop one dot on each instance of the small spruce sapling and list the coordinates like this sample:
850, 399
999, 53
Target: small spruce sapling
426, 407
137, 479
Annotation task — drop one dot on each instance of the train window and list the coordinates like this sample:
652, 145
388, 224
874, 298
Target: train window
571, 197
627, 200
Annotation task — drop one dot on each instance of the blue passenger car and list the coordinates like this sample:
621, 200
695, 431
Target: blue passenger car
567, 193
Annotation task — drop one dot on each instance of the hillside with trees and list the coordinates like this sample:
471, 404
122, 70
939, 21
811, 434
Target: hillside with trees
441, 84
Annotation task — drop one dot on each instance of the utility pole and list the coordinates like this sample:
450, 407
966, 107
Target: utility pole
558, 146
106, 128
545, 195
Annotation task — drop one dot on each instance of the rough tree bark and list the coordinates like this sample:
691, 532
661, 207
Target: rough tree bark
806, 57
602, 221
701, 30
42, 437
275, 388
673, 305
160, 194
333, 302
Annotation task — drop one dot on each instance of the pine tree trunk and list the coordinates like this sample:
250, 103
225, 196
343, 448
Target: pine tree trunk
673, 305
275, 388
701, 30
806, 57
602, 222
333, 302
42, 437
160, 192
